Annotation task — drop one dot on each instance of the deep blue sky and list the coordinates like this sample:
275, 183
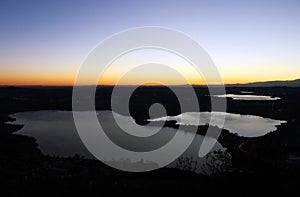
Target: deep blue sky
248, 40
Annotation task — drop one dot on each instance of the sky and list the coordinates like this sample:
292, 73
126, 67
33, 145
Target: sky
45, 42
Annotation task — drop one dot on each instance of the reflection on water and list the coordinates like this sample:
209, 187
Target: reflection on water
56, 135
246, 92
243, 125
248, 97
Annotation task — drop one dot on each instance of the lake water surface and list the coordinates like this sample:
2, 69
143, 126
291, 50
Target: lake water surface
243, 125
248, 97
57, 136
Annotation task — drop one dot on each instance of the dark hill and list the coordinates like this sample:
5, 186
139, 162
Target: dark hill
290, 83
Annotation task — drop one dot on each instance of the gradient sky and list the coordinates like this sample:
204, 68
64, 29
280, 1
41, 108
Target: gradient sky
44, 42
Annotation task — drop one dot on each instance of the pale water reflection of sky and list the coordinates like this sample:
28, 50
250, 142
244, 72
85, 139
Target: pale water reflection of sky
243, 125
248, 97
56, 135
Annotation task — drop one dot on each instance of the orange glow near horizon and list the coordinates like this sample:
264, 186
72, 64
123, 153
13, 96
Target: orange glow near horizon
40, 80
185, 73
61, 81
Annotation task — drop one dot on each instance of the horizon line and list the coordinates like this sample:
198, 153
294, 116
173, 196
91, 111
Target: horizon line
71, 85
110, 85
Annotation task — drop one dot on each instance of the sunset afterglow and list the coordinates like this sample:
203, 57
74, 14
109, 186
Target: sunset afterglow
248, 41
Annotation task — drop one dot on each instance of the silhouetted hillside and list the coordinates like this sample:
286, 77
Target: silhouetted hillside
290, 83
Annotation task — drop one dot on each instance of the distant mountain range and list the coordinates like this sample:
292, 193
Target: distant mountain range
287, 83
290, 83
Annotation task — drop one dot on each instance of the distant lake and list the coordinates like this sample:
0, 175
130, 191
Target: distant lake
246, 92
248, 97
243, 125
57, 136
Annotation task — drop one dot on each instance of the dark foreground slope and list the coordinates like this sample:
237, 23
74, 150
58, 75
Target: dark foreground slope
263, 165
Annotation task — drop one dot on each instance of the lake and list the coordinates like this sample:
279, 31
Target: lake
248, 97
242, 125
56, 135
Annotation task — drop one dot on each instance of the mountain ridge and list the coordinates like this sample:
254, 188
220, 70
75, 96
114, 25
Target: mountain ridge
276, 83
